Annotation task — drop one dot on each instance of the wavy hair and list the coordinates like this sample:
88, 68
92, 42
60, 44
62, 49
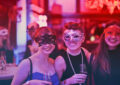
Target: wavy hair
74, 26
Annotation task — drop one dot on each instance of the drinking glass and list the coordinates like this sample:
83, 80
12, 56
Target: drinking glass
83, 70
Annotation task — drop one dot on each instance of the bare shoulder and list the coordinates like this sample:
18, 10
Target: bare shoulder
21, 73
59, 62
24, 65
24, 62
60, 66
87, 53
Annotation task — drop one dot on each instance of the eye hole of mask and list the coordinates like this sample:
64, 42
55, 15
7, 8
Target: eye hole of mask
74, 37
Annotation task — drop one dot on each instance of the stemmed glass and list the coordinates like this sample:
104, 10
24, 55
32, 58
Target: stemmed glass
83, 70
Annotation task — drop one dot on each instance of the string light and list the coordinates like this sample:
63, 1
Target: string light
99, 4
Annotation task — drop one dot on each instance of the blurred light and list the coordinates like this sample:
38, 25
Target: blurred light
92, 38
63, 6
21, 31
42, 20
99, 4
21, 26
36, 8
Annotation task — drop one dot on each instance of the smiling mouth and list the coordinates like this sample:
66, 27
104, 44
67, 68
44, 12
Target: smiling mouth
47, 48
113, 41
72, 44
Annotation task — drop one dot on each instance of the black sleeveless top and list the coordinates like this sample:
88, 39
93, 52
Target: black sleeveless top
76, 61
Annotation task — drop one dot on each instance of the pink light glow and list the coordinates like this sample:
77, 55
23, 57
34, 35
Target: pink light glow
99, 4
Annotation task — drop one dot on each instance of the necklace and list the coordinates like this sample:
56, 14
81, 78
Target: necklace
72, 64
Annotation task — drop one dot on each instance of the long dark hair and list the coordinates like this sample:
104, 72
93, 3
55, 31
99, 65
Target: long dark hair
101, 58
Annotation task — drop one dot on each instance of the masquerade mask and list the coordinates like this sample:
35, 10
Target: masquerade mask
68, 36
73, 37
4, 32
46, 39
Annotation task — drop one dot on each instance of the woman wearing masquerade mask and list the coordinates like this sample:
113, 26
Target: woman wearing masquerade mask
68, 64
38, 68
106, 60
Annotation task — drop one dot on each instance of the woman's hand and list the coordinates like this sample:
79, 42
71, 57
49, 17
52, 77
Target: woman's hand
76, 78
38, 82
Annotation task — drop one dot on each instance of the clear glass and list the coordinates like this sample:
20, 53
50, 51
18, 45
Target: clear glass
83, 70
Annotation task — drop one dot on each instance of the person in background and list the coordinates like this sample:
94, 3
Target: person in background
5, 48
72, 65
31, 47
38, 69
106, 60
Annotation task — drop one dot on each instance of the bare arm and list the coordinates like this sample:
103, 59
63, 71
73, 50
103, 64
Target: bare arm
60, 66
22, 73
